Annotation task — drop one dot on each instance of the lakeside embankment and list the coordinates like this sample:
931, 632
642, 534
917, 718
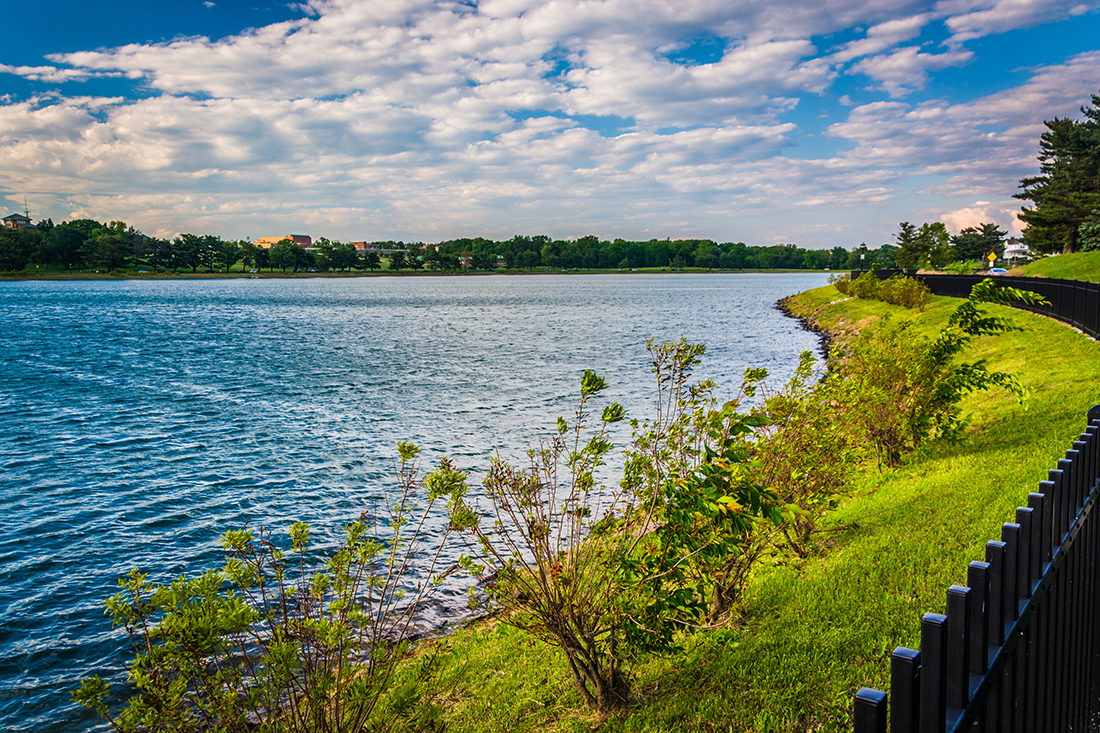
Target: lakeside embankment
815, 630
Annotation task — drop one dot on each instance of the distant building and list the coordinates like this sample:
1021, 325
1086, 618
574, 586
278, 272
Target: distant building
302, 240
18, 221
1014, 249
380, 247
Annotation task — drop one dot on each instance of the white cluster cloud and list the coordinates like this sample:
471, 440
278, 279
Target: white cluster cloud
427, 119
976, 19
906, 69
985, 211
53, 74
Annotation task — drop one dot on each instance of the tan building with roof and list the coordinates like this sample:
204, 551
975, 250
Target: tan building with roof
17, 221
302, 240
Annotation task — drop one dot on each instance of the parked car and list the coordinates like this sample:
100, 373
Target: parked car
998, 271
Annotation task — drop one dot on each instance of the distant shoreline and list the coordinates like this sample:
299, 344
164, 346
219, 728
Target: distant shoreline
30, 276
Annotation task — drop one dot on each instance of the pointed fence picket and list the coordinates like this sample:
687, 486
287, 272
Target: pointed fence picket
1017, 649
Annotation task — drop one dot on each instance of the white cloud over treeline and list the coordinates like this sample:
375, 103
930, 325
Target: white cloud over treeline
426, 120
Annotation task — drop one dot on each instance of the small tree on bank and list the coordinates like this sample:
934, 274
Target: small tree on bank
607, 574
270, 641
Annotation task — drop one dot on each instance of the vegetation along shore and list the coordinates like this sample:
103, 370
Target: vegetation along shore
745, 575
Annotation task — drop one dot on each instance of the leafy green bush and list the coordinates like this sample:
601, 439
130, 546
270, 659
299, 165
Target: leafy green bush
608, 574
789, 446
908, 292
708, 488
553, 552
866, 286
274, 643
842, 282
694, 466
899, 388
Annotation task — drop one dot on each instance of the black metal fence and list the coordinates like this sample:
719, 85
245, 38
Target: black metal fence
1072, 301
1019, 649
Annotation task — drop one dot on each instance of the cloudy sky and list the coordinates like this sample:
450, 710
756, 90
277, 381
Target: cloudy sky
819, 123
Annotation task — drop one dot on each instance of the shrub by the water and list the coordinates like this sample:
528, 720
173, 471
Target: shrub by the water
608, 575
908, 292
272, 642
843, 283
866, 286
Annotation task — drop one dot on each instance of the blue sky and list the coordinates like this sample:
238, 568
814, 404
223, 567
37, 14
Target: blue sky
819, 124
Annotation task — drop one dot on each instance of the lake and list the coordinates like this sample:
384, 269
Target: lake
141, 419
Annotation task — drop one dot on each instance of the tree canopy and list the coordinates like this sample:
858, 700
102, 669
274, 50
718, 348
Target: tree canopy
1066, 193
977, 243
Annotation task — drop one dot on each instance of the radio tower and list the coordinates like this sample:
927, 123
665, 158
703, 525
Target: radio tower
26, 211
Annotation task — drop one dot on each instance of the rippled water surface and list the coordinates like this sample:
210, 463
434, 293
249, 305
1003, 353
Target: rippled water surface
139, 420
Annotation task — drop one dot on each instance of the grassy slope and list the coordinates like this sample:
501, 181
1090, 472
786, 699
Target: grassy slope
1076, 266
816, 631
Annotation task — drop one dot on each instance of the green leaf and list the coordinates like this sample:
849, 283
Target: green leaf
591, 383
407, 451
614, 413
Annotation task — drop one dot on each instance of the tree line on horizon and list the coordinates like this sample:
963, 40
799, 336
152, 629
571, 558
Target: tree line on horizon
88, 244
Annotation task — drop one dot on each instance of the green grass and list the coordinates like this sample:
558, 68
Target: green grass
814, 631
1077, 266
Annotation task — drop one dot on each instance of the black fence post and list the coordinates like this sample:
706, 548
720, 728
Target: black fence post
1069, 504
1063, 511
1039, 518
995, 552
1043, 684
905, 669
958, 646
977, 576
1049, 519
1024, 518
933, 680
869, 711
1069, 476
1060, 640
1076, 459
1010, 535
